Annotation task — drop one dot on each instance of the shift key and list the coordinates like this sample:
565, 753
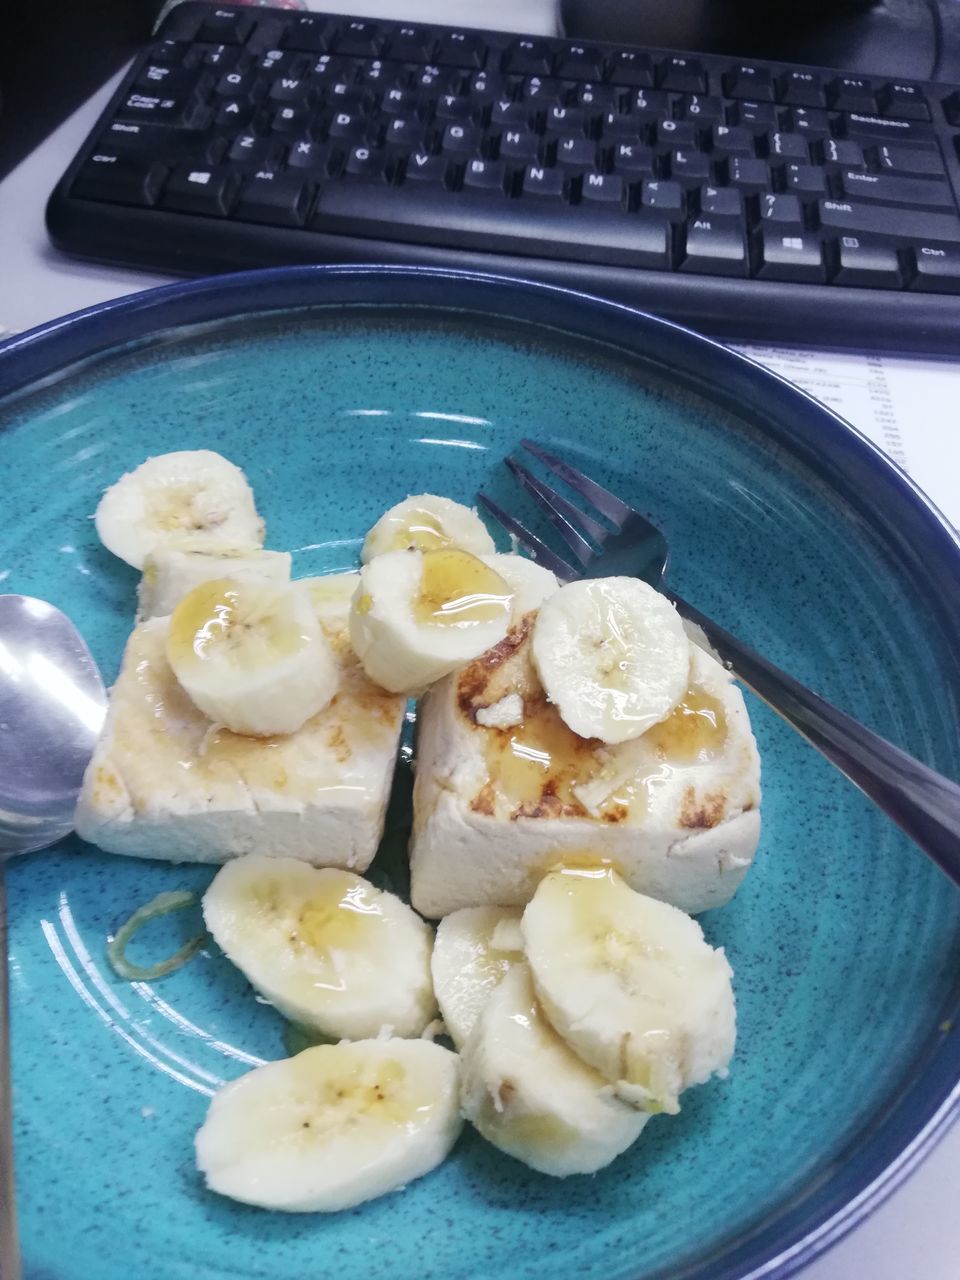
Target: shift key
892, 225
923, 192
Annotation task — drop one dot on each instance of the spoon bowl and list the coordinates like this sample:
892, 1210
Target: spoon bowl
52, 705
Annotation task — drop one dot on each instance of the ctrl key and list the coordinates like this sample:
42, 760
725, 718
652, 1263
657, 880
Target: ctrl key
117, 179
938, 268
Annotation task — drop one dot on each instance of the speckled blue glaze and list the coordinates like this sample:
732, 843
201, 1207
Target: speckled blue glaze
787, 527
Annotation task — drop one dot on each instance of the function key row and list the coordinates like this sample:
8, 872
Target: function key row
223, 30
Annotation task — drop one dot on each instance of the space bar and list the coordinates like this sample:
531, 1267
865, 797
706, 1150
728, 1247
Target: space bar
478, 220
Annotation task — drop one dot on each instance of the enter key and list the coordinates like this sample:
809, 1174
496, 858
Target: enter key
878, 188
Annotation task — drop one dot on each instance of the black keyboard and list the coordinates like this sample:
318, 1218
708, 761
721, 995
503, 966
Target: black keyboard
752, 200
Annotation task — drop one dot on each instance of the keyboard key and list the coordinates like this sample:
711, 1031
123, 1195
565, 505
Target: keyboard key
352, 126
907, 160
159, 78
892, 159
529, 58
290, 89
633, 159
540, 181
484, 175
576, 153
749, 82
282, 199
809, 123
543, 92
788, 146
461, 139
715, 248
511, 113
748, 175
307, 33
402, 131
907, 101
790, 256
703, 110
938, 269
851, 93
690, 167
154, 107
150, 141
475, 220
802, 89
628, 67
651, 102
169, 51
519, 144
252, 149
732, 140
235, 113
783, 210
676, 133
206, 191
595, 97
305, 153
860, 126
603, 188
756, 115
225, 26
873, 220
664, 197
684, 74
401, 102
721, 202
923, 192
842, 152
871, 266
426, 168
360, 39
626, 125
365, 162
119, 179
805, 179
567, 120
579, 62
412, 44
461, 49
452, 107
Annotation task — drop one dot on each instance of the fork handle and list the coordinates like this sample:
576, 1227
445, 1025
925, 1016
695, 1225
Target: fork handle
920, 801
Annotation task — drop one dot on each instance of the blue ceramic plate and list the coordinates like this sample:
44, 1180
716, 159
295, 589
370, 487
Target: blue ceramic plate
339, 392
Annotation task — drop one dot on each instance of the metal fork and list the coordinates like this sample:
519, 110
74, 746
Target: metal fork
923, 803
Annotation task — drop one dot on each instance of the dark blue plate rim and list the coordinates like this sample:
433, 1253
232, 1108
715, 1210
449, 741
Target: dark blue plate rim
856, 469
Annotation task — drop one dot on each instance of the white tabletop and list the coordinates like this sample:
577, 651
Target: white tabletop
915, 1235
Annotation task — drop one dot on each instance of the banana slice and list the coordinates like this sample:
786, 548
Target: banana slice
168, 574
334, 1126
631, 984
194, 500
418, 615
252, 657
530, 583
613, 655
427, 523
532, 1097
324, 946
473, 950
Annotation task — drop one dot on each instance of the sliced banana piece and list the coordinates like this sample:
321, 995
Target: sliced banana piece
194, 500
169, 574
532, 1097
613, 655
252, 656
530, 583
426, 522
418, 615
631, 984
334, 1126
473, 950
326, 947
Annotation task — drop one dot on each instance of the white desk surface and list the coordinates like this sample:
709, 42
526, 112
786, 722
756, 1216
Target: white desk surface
915, 1235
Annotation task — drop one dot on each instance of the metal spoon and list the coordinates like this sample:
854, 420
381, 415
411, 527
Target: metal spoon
52, 704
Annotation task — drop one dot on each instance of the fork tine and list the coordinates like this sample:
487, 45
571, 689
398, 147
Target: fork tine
606, 503
539, 551
550, 502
